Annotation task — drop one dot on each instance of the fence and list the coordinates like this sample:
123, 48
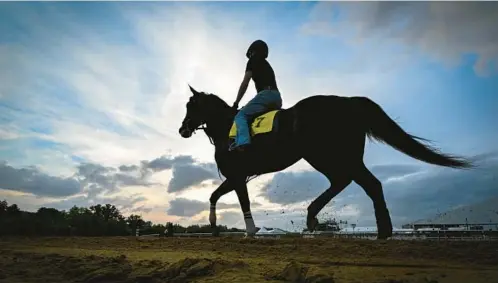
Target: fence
371, 236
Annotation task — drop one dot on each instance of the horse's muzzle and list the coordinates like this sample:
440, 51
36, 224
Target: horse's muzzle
185, 132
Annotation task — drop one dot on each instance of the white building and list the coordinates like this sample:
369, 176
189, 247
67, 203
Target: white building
478, 216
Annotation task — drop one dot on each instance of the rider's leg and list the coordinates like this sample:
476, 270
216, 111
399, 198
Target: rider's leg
264, 100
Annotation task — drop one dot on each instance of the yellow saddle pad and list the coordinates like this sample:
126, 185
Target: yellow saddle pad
261, 124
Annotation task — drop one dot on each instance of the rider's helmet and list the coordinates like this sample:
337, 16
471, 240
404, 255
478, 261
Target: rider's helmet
257, 48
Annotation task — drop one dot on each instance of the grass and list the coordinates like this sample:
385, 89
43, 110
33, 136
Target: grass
127, 259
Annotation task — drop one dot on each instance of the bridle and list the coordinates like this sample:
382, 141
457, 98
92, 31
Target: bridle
202, 126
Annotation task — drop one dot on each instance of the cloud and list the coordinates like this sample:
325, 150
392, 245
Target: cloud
94, 183
5, 134
440, 190
125, 168
141, 99
411, 192
186, 172
231, 219
294, 187
185, 176
126, 204
388, 171
97, 178
141, 209
188, 207
91, 185
222, 205
166, 162
25, 201
31, 180
444, 30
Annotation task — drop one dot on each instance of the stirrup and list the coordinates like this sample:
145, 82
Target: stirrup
232, 146
239, 148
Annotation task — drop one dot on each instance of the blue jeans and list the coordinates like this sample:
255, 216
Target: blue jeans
265, 100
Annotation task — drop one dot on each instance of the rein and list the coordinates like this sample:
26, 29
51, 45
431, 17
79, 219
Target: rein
200, 127
204, 128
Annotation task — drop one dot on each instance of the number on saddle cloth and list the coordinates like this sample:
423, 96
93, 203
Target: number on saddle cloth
263, 123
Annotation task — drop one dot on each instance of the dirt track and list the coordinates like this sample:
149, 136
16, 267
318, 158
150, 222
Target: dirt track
242, 260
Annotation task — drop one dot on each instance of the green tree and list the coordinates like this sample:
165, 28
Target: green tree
134, 221
97, 220
3, 206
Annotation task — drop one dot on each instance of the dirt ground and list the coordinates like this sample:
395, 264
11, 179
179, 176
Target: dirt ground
128, 259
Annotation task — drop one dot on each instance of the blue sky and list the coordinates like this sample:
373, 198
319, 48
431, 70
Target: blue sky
106, 84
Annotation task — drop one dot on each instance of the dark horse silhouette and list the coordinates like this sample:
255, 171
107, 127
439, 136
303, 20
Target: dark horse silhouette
327, 131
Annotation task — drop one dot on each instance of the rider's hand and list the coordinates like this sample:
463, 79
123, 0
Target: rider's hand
235, 106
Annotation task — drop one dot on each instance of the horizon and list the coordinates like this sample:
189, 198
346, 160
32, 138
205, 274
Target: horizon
343, 226
92, 96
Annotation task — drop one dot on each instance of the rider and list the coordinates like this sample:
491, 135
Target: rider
267, 97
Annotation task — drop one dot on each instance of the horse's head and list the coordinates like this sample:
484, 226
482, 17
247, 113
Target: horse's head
196, 114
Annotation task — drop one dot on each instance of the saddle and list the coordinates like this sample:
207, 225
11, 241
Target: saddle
259, 124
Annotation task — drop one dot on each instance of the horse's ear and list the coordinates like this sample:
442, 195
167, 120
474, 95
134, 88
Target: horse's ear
195, 92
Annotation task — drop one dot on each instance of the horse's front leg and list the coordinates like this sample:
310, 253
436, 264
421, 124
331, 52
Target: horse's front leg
223, 189
245, 205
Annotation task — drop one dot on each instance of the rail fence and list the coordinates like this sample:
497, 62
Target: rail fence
416, 235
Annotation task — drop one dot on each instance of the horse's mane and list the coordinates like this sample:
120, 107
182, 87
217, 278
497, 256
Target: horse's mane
216, 100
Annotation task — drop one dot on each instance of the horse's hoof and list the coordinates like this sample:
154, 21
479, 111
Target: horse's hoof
384, 235
249, 236
251, 233
215, 232
311, 224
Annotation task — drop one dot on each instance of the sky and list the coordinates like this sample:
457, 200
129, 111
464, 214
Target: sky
92, 95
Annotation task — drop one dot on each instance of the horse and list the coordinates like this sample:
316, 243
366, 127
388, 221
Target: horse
327, 131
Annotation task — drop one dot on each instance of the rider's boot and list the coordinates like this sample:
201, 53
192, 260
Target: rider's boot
240, 148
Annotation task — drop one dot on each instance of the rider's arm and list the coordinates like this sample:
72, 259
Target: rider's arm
245, 82
243, 87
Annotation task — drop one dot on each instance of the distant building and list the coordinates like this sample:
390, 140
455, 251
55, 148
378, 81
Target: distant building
481, 216
271, 231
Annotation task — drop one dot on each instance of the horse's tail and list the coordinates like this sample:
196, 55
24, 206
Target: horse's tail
382, 128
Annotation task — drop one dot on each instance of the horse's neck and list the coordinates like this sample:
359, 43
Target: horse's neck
218, 129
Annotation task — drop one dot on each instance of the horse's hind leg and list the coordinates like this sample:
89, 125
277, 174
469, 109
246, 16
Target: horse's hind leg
339, 178
373, 187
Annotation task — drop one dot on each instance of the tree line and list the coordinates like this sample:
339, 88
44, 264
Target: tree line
97, 220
